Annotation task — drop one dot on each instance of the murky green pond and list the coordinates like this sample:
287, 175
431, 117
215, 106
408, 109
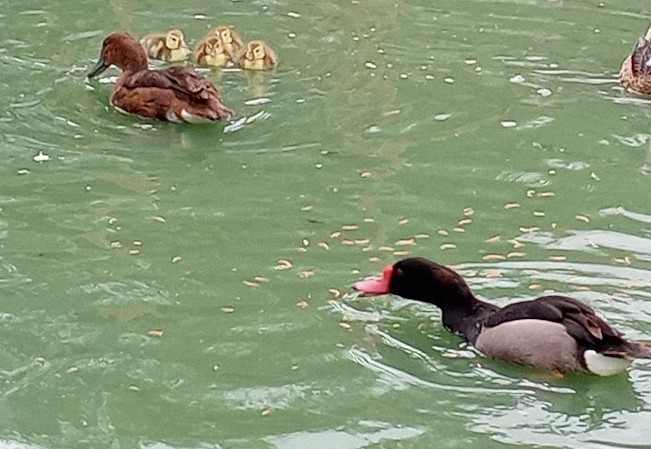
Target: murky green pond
166, 286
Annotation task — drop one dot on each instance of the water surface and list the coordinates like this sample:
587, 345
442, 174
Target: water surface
167, 286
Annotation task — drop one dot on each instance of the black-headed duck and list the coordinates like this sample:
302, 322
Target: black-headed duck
176, 94
210, 52
257, 55
553, 333
635, 73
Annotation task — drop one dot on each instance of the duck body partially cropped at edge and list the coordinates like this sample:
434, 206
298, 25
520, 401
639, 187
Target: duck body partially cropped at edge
635, 73
554, 333
177, 94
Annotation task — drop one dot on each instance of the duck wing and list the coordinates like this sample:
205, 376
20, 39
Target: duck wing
185, 82
641, 57
580, 321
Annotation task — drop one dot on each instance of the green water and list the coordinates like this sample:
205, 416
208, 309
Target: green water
166, 286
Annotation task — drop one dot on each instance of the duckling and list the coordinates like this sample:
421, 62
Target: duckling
210, 51
635, 73
169, 46
257, 55
231, 41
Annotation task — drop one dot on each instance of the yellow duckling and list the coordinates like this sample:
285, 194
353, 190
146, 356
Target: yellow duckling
231, 41
169, 46
635, 73
257, 55
210, 51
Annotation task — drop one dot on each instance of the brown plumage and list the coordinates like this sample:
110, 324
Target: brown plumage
177, 94
257, 55
635, 73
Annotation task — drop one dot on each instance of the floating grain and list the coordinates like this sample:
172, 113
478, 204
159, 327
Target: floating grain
514, 254
334, 292
405, 242
283, 264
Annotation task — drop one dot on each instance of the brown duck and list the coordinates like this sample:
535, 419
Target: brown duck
635, 73
176, 94
554, 333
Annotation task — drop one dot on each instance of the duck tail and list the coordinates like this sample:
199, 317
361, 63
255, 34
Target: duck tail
629, 349
639, 349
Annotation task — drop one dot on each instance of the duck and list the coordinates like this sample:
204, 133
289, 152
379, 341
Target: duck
231, 40
210, 52
554, 333
176, 94
169, 46
635, 73
257, 55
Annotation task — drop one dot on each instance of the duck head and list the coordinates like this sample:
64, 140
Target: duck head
175, 42
122, 50
255, 51
174, 39
257, 55
211, 52
422, 280
227, 34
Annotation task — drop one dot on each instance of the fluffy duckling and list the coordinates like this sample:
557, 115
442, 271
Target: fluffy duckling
257, 55
635, 73
210, 51
177, 94
231, 41
169, 46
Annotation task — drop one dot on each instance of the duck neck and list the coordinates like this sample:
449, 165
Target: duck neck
466, 318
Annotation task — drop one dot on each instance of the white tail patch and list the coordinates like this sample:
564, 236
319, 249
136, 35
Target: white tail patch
603, 365
190, 118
